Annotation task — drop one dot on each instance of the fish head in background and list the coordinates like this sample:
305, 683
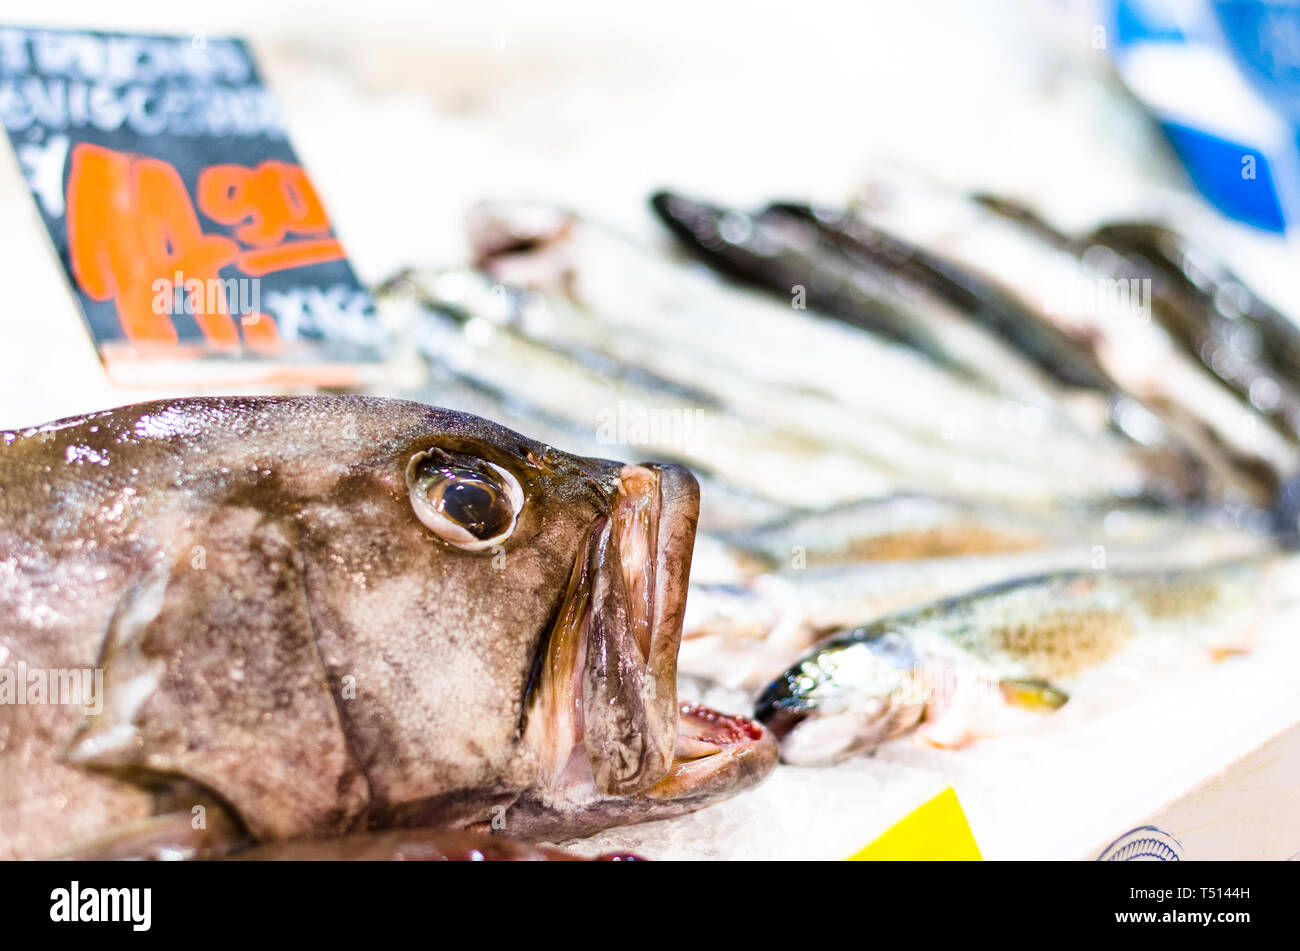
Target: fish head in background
337, 613
848, 695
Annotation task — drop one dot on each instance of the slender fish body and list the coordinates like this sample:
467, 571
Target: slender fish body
906, 417
1245, 455
1237, 338
786, 258
1077, 470
914, 525
640, 409
743, 632
950, 667
629, 293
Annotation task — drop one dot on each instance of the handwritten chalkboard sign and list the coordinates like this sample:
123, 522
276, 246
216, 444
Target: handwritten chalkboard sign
186, 225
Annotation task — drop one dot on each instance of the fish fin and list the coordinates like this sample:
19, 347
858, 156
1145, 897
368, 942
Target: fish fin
1223, 652
1037, 695
211, 673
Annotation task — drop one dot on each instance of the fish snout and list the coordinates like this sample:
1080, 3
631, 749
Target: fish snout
642, 754
846, 696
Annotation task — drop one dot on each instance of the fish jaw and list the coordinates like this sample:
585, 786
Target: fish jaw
629, 676
617, 745
716, 756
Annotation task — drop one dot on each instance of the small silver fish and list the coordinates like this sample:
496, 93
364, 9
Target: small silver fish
951, 666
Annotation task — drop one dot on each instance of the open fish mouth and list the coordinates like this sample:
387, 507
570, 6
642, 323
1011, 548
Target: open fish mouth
605, 712
717, 755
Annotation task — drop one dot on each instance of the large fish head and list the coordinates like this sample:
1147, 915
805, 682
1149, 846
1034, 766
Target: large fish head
520, 610
554, 587
407, 616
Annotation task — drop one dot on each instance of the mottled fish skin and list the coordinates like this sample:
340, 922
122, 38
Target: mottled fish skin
745, 632
946, 664
917, 525
281, 637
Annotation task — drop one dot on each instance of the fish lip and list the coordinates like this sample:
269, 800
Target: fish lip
709, 755
681, 756
674, 544
638, 569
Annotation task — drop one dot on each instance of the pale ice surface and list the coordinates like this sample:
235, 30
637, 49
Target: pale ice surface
1132, 738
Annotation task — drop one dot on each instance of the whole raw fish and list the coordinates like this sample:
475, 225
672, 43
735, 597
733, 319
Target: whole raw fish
1246, 457
951, 667
309, 617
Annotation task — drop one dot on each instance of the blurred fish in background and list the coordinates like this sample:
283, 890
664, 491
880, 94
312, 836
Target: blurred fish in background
922, 389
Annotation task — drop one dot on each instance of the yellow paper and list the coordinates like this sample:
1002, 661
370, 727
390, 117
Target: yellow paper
937, 830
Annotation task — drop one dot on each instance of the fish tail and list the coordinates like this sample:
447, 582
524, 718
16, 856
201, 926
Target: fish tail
1037, 695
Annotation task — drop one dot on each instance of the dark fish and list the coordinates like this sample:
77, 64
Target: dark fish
1107, 318
1239, 338
785, 259
962, 320
323, 616
1242, 342
983, 300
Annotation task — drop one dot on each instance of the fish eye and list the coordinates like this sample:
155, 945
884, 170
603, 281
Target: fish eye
470, 503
